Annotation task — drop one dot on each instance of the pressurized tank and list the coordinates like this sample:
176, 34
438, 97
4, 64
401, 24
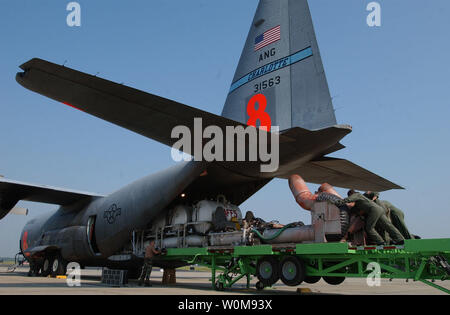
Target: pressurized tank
177, 242
181, 214
290, 235
204, 210
228, 238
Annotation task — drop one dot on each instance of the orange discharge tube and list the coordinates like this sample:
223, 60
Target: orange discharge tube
327, 188
301, 192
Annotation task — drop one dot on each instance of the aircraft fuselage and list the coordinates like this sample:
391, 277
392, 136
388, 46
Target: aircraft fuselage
90, 231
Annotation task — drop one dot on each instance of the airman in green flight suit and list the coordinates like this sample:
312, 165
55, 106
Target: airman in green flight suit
396, 215
375, 216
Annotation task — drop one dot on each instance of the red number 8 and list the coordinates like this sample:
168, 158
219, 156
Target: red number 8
259, 114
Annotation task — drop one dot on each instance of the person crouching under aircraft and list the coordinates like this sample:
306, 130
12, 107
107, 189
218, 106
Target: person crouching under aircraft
375, 216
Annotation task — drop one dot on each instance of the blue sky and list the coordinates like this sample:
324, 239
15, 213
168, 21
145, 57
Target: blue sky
390, 83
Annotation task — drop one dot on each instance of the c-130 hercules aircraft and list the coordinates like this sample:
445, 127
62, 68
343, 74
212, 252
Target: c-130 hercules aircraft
280, 60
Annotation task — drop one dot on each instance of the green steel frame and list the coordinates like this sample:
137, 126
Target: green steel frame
416, 260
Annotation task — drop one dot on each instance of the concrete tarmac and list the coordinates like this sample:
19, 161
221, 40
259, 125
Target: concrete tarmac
195, 283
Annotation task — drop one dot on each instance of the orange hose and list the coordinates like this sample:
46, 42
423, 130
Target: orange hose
301, 192
327, 188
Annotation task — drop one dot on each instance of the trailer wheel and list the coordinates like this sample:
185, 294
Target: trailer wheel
312, 279
267, 271
292, 271
334, 280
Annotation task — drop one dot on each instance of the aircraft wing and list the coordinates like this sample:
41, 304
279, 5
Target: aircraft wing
343, 173
12, 191
146, 114
155, 117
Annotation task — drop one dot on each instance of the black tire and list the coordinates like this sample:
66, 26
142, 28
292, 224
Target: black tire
31, 271
267, 271
292, 271
37, 270
312, 279
47, 266
59, 266
334, 280
34, 269
259, 286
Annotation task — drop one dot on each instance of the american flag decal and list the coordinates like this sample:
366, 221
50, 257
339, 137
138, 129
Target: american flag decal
271, 36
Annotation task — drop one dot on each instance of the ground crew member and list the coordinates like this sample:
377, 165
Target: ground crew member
251, 220
150, 252
397, 216
384, 234
356, 230
375, 216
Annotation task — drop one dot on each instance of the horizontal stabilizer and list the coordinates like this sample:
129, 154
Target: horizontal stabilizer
146, 114
343, 173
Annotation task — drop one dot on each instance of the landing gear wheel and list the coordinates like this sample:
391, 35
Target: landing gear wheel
259, 286
58, 266
312, 279
37, 270
292, 271
47, 266
334, 280
30, 272
267, 271
34, 269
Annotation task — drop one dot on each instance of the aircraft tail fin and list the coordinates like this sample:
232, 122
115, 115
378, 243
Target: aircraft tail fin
281, 60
